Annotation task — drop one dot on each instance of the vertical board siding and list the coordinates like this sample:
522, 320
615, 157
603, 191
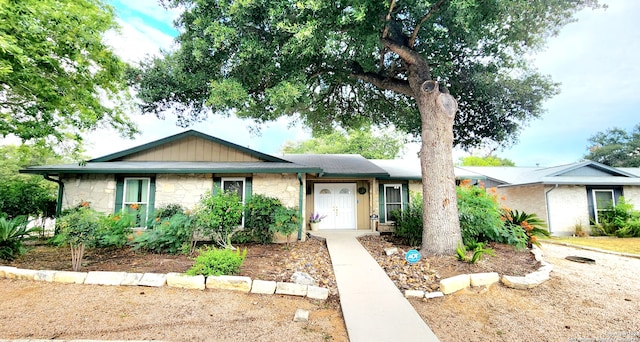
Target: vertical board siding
191, 149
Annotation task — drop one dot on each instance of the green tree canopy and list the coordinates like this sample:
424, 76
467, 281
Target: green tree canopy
354, 141
409, 63
616, 147
56, 74
485, 161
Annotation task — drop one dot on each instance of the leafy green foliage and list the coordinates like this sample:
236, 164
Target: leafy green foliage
478, 250
485, 161
170, 235
285, 221
259, 217
114, 230
621, 220
78, 228
12, 233
218, 217
55, 68
211, 261
616, 147
532, 225
353, 141
168, 210
408, 224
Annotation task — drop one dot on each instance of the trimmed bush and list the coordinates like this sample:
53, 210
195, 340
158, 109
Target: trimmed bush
212, 261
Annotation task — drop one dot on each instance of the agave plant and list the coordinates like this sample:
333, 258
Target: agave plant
12, 232
532, 225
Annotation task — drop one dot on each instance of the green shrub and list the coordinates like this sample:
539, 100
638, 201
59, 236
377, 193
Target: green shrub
285, 221
170, 235
259, 217
212, 261
168, 210
114, 230
532, 226
12, 233
218, 217
408, 223
79, 229
478, 250
621, 220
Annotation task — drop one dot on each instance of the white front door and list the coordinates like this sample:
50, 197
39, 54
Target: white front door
336, 201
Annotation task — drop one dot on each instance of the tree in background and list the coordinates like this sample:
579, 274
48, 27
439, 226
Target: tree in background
354, 141
616, 147
26, 195
485, 161
343, 64
56, 73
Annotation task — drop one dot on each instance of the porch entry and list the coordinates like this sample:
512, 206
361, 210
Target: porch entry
338, 202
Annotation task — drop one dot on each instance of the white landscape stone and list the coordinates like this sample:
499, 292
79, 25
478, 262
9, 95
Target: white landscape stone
184, 281
5, 269
263, 287
316, 292
105, 278
413, 293
429, 295
301, 315
484, 279
226, 282
131, 279
291, 289
391, 251
454, 284
20, 273
69, 277
44, 275
302, 278
153, 279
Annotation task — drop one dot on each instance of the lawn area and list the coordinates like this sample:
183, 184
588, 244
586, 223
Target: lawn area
626, 245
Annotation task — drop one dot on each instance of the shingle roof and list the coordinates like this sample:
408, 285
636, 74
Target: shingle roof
339, 165
410, 169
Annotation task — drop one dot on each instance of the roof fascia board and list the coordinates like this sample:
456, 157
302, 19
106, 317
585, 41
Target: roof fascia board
194, 133
166, 171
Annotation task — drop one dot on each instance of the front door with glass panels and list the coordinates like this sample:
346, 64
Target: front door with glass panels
337, 202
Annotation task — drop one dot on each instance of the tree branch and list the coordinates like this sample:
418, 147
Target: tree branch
414, 34
393, 84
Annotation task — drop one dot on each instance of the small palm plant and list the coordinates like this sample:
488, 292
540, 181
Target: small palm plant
12, 233
532, 225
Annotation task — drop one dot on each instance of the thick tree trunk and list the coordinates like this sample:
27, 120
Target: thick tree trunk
441, 227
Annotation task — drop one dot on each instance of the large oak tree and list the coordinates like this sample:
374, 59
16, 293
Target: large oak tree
448, 71
57, 76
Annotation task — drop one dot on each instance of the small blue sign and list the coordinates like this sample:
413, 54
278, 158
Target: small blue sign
413, 256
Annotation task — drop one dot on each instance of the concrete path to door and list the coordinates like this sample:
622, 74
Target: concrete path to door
374, 309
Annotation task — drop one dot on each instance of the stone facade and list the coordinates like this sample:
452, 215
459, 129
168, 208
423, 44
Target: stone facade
98, 190
632, 195
284, 187
185, 190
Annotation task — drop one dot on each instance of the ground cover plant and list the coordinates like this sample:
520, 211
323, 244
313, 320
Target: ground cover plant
211, 261
12, 233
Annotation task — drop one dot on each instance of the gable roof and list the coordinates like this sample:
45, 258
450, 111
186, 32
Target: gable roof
581, 173
339, 165
410, 169
176, 137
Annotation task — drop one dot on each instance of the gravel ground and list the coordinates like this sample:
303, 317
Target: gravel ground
581, 302
33, 309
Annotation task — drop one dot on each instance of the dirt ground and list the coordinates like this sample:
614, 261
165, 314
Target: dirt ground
580, 300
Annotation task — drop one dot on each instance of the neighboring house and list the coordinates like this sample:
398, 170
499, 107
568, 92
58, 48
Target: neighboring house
353, 192
565, 196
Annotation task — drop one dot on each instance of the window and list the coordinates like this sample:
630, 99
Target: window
603, 201
234, 185
136, 198
392, 199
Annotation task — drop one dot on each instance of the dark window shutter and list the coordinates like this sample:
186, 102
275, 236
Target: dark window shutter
381, 203
217, 185
405, 196
248, 189
152, 194
119, 194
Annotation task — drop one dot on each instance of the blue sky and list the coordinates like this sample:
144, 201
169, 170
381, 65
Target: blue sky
594, 59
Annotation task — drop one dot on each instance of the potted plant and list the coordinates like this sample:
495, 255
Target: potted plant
314, 220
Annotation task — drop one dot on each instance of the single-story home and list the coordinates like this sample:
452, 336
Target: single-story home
351, 191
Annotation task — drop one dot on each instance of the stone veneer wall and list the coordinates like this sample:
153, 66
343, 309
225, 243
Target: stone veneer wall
527, 198
415, 186
284, 187
98, 190
185, 190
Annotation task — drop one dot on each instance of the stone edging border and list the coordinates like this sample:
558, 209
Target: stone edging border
463, 281
178, 280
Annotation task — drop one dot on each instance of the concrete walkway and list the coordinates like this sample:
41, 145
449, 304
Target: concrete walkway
374, 309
